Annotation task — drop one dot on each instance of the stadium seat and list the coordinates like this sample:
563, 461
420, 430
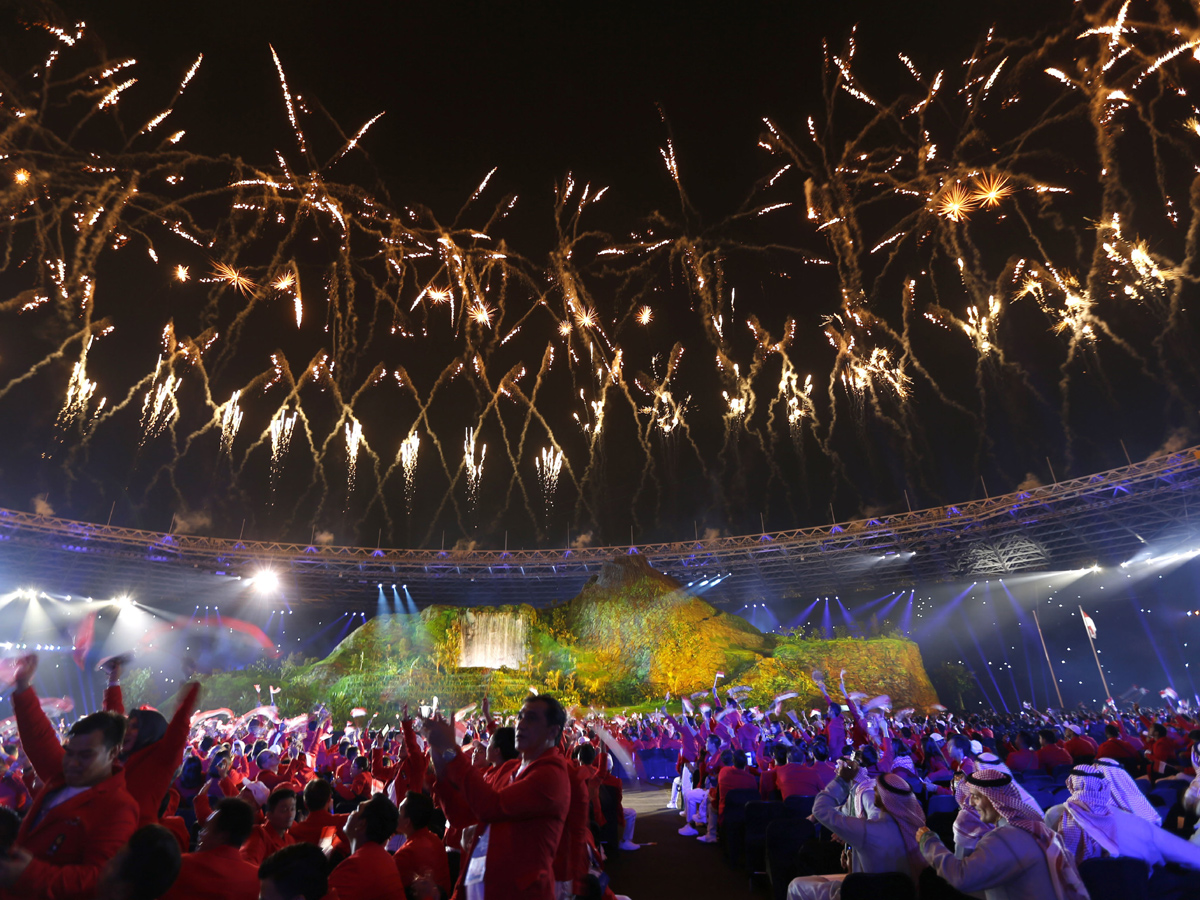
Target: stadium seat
1119, 878
800, 806
878, 886
933, 887
614, 820
785, 837
759, 815
733, 822
1044, 799
942, 824
942, 803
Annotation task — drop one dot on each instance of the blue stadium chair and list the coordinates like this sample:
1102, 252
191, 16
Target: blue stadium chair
785, 837
878, 886
1044, 799
942, 803
733, 822
1119, 878
759, 815
800, 806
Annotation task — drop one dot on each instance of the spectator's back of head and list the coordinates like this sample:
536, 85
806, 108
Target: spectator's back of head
229, 825
418, 809
144, 869
1047, 735
586, 754
505, 740
298, 872
380, 818
317, 794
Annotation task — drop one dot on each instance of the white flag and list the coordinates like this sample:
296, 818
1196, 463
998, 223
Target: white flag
1089, 625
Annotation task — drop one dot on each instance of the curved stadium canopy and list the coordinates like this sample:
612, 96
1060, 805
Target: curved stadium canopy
1103, 519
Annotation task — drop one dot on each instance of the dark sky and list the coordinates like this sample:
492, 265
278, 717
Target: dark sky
537, 90
534, 88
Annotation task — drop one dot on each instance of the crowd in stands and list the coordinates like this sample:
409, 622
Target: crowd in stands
849, 801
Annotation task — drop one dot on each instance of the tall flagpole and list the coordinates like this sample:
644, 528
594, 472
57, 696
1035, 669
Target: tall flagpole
1057, 690
1099, 668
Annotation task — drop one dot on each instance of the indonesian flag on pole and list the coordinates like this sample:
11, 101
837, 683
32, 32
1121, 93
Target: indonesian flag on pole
1089, 625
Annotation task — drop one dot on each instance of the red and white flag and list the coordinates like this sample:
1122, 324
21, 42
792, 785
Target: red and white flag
1089, 625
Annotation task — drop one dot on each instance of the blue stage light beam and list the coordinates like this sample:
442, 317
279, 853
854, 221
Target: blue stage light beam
970, 668
847, 618
906, 618
826, 624
803, 617
939, 620
987, 666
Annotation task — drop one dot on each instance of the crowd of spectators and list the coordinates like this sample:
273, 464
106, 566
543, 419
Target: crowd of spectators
865, 801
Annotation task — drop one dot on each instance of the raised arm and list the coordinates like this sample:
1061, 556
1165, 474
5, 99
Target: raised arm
530, 797
39, 740
993, 861
850, 829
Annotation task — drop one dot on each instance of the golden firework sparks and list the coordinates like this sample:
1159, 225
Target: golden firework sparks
21, 176
181, 273
284, 282
644, 315
229, 418
474, 469
990, 189
408, 461
481, 314
955, 203
564, 328
354, 442
232, 277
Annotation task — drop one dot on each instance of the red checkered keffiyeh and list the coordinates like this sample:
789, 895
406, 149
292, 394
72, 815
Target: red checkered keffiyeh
1002, 792
1087, 825
1125, 793
896, 797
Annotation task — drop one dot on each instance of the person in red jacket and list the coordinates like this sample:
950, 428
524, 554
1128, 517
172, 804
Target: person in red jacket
216, 871
298, 872
82, 815
1051, 753
369, 873
147, 866
152, 747
13, 792
272, 835
1024, 758
321, 822
521, 817
1081, 747
571, 860
422, 855
1114, 747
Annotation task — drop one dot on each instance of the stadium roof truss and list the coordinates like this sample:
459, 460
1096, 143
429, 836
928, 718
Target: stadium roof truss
1102, 519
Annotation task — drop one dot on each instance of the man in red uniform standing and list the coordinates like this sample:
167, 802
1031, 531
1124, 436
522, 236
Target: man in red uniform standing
422, 855
369, 873
83, 814
521, 816
216, 871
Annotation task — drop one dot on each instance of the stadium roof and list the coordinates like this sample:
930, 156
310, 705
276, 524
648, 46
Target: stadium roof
1102, 519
